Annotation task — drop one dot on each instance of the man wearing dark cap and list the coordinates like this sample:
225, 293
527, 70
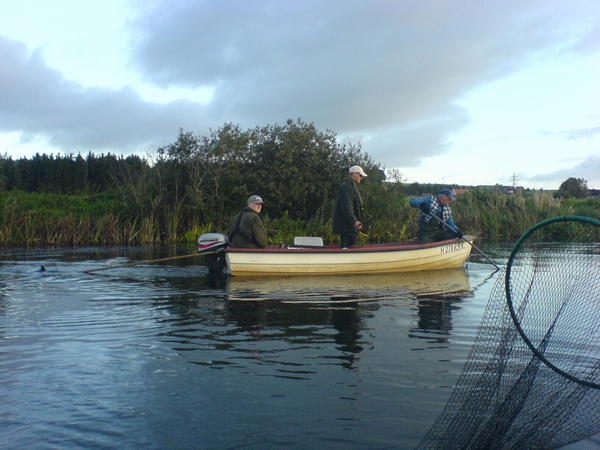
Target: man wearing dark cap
247, 229
430, 228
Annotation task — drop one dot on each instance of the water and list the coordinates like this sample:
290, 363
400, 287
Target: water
158, 356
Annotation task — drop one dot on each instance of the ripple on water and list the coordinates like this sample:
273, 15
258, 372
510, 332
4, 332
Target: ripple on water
160, 356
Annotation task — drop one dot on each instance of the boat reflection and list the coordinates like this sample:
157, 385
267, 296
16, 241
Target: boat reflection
303, 309
303, 325
355, 288
434, 319
348, 324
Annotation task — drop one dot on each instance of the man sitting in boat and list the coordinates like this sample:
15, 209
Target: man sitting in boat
435, 219
247, 229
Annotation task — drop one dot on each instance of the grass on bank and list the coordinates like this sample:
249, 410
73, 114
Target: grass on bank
31, 219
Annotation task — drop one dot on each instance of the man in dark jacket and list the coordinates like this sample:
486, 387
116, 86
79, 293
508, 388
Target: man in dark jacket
348, 208
247, 229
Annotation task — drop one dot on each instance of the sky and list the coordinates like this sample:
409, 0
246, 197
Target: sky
464, 92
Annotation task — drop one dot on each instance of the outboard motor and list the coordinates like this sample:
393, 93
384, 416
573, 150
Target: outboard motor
212, 246
210, 243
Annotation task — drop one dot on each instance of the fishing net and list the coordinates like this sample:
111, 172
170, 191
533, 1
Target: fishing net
532, 378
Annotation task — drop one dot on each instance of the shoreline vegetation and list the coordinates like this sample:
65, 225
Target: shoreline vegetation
198, 183
47, 220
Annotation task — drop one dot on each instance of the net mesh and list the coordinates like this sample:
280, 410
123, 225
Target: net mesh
531, 379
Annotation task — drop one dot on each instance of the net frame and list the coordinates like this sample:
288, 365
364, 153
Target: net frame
517, 315
506, 396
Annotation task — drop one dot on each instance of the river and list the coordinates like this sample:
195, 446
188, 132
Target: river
159, 356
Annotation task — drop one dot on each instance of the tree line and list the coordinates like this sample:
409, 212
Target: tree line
199, 182
196, 181
65, 174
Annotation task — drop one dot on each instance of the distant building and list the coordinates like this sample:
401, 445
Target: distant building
510, 190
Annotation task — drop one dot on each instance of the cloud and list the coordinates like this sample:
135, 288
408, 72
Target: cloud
39, 102
359, 68
583, 133
588, 169
388, 74
407, 145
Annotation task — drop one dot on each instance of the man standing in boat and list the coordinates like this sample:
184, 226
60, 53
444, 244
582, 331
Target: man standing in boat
348, 208
247, 229
438, 228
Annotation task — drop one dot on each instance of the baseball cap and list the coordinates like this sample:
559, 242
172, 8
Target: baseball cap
448, 193
357, 169
255, 199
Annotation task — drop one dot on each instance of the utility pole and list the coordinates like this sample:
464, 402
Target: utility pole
514, 180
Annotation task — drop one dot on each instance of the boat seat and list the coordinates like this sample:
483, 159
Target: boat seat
308, 240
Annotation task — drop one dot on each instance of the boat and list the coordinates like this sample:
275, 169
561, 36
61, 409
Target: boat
308, 256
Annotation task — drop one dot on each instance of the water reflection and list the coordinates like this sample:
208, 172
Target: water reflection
434, 318
348, 323
2, 298
356, 288
303, 325
161, 356
335, 299
305, 311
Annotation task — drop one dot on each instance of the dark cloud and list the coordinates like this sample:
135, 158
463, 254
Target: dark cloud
37, 101
387, 73
356, 67
406, 145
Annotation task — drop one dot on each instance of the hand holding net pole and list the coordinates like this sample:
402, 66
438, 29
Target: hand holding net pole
455, 231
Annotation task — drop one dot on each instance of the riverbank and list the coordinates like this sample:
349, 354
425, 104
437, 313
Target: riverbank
105, 219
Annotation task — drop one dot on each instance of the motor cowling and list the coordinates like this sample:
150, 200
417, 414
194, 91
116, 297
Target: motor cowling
211, 243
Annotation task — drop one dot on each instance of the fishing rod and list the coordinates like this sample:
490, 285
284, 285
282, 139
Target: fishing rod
149, 261
367, 220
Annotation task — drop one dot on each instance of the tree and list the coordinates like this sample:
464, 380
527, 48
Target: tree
572, 188
299, 169
295, 168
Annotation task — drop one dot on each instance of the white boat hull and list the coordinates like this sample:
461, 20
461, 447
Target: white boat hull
369, 259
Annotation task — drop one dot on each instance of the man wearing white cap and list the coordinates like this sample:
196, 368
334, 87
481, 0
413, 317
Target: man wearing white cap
247, 229
348, 208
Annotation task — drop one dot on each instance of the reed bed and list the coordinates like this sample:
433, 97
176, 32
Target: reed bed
31, 220
497, 215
